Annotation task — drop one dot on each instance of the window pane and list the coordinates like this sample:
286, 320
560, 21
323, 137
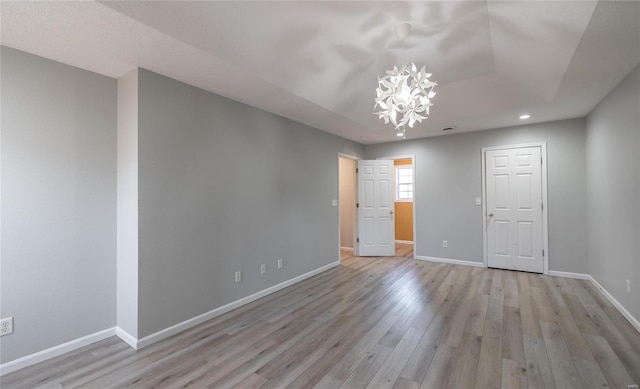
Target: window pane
404, 182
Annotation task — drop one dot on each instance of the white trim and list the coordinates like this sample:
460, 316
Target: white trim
174, 329
451, 261
127, 337
404, 241
346, 248
516, 146
627, 315
395, 157
348, 156
566, 274
545, 215
55, 351
75, 344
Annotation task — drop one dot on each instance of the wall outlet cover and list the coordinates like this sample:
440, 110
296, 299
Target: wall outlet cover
6, 326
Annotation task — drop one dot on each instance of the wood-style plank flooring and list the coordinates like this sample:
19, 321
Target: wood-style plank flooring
404, 250
388, 322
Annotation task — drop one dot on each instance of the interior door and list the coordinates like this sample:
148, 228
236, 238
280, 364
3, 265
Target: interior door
376, 229
514, 209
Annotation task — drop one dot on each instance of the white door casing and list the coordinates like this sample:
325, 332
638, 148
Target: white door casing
514, 223
376, 229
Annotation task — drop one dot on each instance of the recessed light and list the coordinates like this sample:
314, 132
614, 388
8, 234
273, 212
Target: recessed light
400, 133
525, 116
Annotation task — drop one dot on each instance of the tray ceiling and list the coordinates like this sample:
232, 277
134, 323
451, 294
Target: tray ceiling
317, 62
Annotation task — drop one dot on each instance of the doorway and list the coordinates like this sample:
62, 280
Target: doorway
404, 204
347, 204
348, 197
515, 217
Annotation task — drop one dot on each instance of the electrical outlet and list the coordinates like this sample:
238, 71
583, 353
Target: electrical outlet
280, 263
445, 244
628, 286
6, 326
263, 268
238, 276
478, 201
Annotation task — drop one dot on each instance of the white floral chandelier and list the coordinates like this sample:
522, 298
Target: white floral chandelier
404, 95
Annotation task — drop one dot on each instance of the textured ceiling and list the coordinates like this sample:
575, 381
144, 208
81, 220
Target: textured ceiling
318, 62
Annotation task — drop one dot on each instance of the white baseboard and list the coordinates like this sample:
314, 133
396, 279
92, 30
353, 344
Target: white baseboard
127, 337
167, 332
52, 352
346, 248
131, 340
404, 241
55, 351
627, 315
566, 274
451, 261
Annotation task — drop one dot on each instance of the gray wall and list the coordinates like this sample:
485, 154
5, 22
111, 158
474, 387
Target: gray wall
449, 178
225, 187
613, 187
127, 205
58, 203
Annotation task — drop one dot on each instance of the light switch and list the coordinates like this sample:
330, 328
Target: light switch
334, 202
478, 201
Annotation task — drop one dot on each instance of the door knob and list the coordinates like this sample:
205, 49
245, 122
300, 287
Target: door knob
390, 212
491, 214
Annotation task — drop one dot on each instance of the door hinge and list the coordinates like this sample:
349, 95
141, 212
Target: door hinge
543, 252
542, 206
357, 240
357, 170
357, 205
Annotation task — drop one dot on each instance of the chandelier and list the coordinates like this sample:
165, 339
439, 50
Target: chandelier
404, 95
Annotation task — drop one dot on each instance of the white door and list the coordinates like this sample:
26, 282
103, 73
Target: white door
514, 209
376, 228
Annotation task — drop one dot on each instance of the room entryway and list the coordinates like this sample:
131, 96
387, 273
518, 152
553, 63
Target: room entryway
399, 211
347, 203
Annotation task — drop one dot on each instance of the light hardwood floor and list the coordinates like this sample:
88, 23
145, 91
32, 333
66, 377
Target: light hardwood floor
402, 250
380, 323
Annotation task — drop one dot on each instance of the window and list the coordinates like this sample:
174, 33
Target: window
404, 183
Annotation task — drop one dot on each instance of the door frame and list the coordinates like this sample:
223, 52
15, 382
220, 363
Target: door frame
412, 157
545, 219
355, 200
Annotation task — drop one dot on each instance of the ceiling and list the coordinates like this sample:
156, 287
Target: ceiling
317, 62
